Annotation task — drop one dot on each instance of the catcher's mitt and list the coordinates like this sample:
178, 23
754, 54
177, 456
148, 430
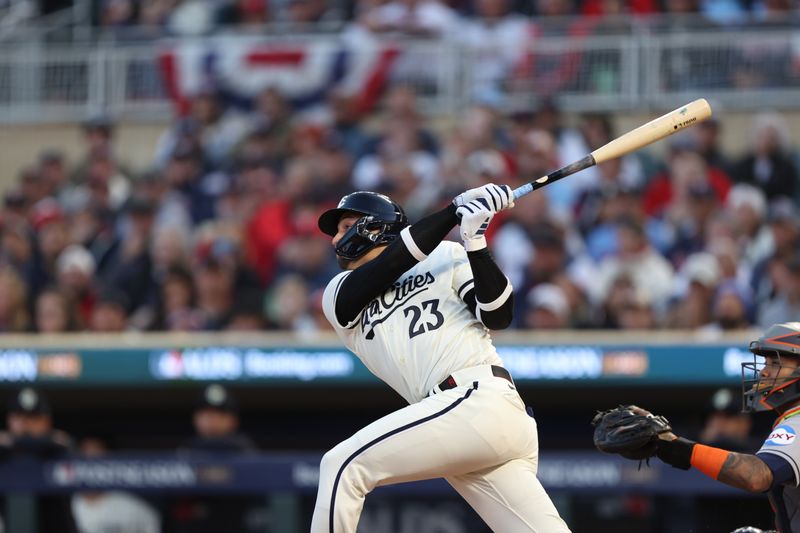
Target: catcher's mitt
629, 431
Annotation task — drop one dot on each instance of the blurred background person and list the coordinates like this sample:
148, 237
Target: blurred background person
30, 435
111, 510
215, 420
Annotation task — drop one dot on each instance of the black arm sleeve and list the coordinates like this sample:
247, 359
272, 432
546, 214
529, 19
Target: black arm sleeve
370, 279
490, 284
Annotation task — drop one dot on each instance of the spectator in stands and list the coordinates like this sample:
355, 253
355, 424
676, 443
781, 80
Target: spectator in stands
116, 13
774, 13
98, 136
537, 155
784, 303
546, 264
647, 269
608, 313
31, 435
309, 15
768, 165
14, 316
272, 118
248, 314
346, 124
784, 223
667, 193
691, 230
56, 312
243, 13
215, 278
706, 142
513, 244
216, 425
637, 312
131, 272
402, 168
287, 304
748, 207
177, 311
32, 185
75, 276
423, 18
50, 227
477, 152
306, 253
111, 510
16, 247
94, 227
190, 184
732, 310
496, 38
696, 283
547, 308
53, 171
209, 129
400, 103
153, 17
110, 312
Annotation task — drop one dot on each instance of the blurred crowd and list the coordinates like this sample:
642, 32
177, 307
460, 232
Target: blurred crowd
157, 18
220, 231
432, 18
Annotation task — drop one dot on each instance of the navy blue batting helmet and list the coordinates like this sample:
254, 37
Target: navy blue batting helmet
380, 223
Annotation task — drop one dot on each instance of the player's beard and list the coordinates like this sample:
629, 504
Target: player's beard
343, 263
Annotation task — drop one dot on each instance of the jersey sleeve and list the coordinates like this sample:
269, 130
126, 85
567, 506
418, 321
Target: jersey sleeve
463, 281
783, 443
782, 471
329, 302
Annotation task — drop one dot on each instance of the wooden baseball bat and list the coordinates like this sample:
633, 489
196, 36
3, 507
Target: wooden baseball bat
665, 125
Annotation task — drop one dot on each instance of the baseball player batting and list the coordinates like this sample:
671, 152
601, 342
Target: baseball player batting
771, 382
417, 312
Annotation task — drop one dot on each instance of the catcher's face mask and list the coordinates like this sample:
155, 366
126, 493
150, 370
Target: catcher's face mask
770, 381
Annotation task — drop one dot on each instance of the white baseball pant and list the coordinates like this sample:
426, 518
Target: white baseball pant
478, 436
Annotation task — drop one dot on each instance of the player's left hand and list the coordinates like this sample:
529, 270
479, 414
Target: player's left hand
630, 431
475, 218
496, 197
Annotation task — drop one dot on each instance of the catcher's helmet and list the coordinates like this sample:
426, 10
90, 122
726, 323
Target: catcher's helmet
760, 393
381, 223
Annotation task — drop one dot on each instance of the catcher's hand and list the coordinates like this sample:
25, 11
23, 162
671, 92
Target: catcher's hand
629, 431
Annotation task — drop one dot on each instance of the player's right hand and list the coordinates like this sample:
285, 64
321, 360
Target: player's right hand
497, 197
475, 218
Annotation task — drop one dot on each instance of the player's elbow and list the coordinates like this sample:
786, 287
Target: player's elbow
496, 320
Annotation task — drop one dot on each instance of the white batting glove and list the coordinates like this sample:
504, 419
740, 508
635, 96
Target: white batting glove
475, 218
498, 197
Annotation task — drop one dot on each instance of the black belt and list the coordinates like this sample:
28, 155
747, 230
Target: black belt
498, 371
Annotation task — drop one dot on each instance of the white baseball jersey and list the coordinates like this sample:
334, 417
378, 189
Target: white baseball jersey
419, 330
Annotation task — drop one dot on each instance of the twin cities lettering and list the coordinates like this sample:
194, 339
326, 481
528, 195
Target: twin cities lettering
382, 307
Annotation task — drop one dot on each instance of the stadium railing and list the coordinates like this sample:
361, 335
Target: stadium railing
647, 69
